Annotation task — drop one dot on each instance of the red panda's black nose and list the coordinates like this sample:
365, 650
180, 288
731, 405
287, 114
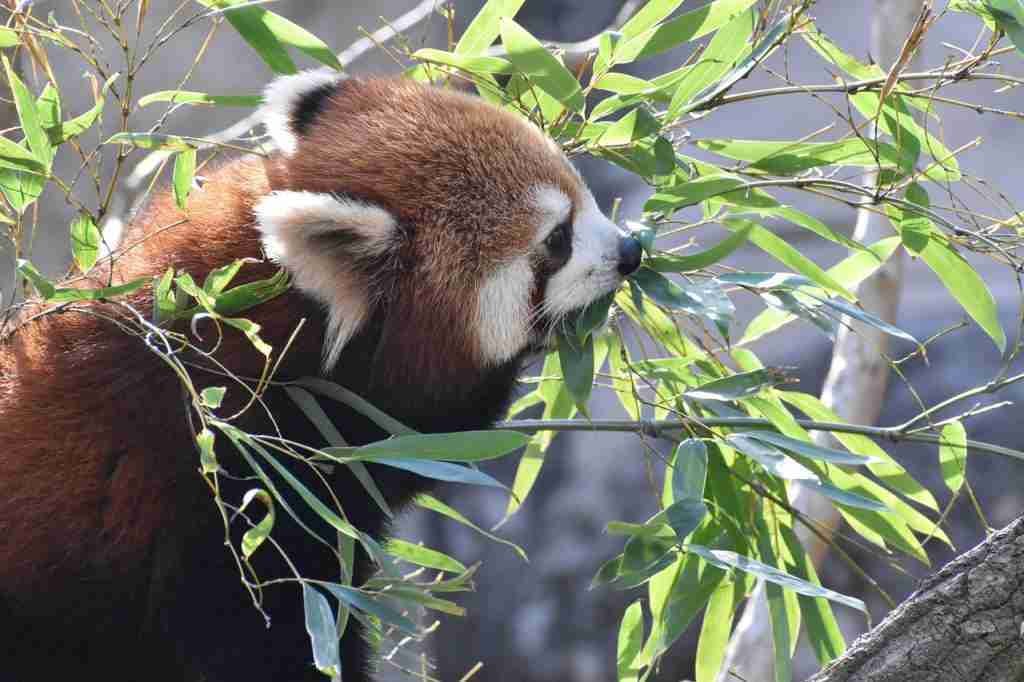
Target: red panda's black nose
630, 254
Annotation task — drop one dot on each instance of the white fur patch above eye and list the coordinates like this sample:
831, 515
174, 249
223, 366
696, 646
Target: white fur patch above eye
503, 311
553, 205
280, 98
289, 222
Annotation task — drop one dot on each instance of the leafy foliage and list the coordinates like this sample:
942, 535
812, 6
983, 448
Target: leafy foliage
668, 345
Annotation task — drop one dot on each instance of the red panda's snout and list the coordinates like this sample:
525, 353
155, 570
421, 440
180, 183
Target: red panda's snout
464, 216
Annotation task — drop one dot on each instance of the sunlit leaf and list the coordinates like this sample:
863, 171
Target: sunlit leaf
184, 176
85, 242
423, 556
726, 560
257, 535
530, 58
464, 446
953, 455
192, 97
323, 633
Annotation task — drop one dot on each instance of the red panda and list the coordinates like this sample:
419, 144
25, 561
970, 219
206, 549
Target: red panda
433, 242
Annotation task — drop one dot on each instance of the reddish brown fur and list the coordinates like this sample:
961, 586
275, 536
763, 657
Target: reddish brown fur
101, 496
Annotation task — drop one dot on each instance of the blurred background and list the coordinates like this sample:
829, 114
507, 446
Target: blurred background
537, 621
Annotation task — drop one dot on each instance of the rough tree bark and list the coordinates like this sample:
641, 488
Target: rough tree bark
964, 624
856, 383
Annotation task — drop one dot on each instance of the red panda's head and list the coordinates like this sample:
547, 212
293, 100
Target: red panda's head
465, 222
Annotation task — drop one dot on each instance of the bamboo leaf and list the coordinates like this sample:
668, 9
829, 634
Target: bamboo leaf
953, 455
531, 58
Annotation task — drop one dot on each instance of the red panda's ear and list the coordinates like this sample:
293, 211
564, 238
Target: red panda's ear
333, 247
291, 102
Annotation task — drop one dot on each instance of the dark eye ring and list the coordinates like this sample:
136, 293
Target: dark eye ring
557, 241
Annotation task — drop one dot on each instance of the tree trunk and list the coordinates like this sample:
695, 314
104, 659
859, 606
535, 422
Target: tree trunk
964, 624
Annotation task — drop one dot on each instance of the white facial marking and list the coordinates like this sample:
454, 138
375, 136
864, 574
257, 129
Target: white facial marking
503, 311
592, 269
279, 101
288, 221
553, 205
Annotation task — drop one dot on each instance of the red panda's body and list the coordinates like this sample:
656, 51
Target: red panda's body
421, 274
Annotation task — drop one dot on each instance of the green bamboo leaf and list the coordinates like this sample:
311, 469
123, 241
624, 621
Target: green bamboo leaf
270, 34
245, 296
635, 125
28, 117
558, 404
48, 105
953, 455
71, 295
323, 633
664, 291
1009, 17
775, 461
676, 595
486, 26
323, 511
896, 119
618, 362
715, 630
689, 471
86, 240
255, 536
778, 248
888, 470
730, 45
344, 396
16, 157
778, 614
172, 143
648, 16
822, 629
726, 560
844, 496
735, 387
631, 640
867, 318
423, 556
666, 262
74, 127
184, 176
314, 413
415, 595
849, 272
464, 446
684, 28
593, 316
9, 37
809, 449
243, 442
359, 600
531, 58
623, 84
212, 396
433, 504
792, 157
576, 359
207, 456
201, 98
463, 62
442, 471
959, 278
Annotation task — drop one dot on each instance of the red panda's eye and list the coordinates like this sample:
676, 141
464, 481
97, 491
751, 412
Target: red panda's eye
558, 241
